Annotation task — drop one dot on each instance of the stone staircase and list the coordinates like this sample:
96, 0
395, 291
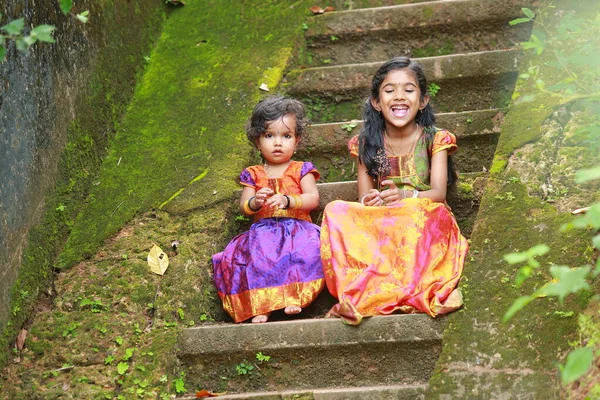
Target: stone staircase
467, 50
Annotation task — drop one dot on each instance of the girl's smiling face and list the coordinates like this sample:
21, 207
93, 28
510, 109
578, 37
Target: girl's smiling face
400, 98
278, 143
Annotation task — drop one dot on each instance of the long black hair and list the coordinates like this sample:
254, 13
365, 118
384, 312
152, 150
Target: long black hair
371, 136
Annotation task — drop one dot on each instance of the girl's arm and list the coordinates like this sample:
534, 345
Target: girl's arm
310, 193
366, 187
439, 177
247, 193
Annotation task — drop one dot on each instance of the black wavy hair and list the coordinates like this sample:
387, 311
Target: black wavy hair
271, 109
371, 136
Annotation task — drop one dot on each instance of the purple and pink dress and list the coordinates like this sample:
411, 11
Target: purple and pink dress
407, 257
277, 262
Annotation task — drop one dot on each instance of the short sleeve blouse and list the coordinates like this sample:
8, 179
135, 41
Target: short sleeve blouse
412, 171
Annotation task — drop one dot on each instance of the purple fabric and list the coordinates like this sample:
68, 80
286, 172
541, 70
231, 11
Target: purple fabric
273, 252
246, 177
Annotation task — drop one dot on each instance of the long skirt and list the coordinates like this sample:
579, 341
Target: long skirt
275, 264
378, 260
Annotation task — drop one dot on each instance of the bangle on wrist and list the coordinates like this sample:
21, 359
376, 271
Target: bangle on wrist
415, 194
297, 201
362, 199
249, 210
288, 202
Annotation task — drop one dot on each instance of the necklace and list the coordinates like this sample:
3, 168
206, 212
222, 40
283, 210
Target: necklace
414, 142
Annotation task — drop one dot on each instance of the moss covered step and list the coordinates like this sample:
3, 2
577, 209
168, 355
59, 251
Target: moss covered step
461, 82
415, 30
311, 353
391, 392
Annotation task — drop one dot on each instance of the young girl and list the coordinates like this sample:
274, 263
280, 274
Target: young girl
276, 264
400, 247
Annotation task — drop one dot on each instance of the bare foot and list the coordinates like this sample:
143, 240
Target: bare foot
259, 319
292, 310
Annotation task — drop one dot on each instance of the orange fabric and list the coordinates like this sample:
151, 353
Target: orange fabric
288, 184
253, 302
378, 260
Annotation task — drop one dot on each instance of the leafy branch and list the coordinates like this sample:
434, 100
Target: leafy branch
15, 31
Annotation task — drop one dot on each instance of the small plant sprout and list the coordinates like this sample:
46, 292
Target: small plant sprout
349, 127
433, 89
262, 357
179, 383
244, 368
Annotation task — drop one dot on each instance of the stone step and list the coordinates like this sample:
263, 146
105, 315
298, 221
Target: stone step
415, 30
312, 353
332, 138
472, 81
390, 392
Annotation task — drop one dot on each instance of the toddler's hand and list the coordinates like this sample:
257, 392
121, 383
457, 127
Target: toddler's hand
262, 195
277, 201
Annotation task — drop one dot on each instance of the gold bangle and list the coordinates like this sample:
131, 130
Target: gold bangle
297, 201
247, 209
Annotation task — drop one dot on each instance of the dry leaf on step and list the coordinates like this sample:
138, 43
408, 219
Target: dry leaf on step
264, 87
205, 393
158, 260
21, 339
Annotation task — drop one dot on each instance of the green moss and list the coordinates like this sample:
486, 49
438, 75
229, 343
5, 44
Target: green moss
97, 116
173, 130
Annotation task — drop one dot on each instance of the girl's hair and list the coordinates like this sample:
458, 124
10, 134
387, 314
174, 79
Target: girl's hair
371, 136
273, 108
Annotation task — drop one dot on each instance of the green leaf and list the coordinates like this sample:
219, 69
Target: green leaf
523, 274
530, 14
578, 363
585, 175
43, 33
515, 258
122, 367
519, 21
2, 52
568, 280
516, 306
65, 6
83, 17
14, 27
180, 385
21, 44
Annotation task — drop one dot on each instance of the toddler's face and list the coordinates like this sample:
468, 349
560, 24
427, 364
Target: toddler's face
278, 143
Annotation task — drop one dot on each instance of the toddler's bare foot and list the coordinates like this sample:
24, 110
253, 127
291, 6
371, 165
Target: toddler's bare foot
292, 310
259, 319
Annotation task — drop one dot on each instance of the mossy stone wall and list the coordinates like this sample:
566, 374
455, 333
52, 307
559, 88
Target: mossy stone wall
539, 148
59, 106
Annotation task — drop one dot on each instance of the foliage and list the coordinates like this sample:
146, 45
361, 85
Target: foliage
244, 368
433, 89
349, 127
574, 56
15, 31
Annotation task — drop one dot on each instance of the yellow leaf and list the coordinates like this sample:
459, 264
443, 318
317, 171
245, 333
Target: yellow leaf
158, 260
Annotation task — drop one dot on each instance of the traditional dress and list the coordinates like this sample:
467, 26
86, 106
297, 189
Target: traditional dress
277, 262
407, 257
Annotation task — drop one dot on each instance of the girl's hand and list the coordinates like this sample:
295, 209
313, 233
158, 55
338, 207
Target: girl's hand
277, 201
372, 198
392, 195
262, 195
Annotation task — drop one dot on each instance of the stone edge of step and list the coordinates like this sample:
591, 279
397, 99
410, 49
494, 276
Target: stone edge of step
397, 392
307, 333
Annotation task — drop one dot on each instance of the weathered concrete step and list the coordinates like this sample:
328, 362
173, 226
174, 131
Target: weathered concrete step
390, 392
466, 82
333, 137
309, 353
415, 30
